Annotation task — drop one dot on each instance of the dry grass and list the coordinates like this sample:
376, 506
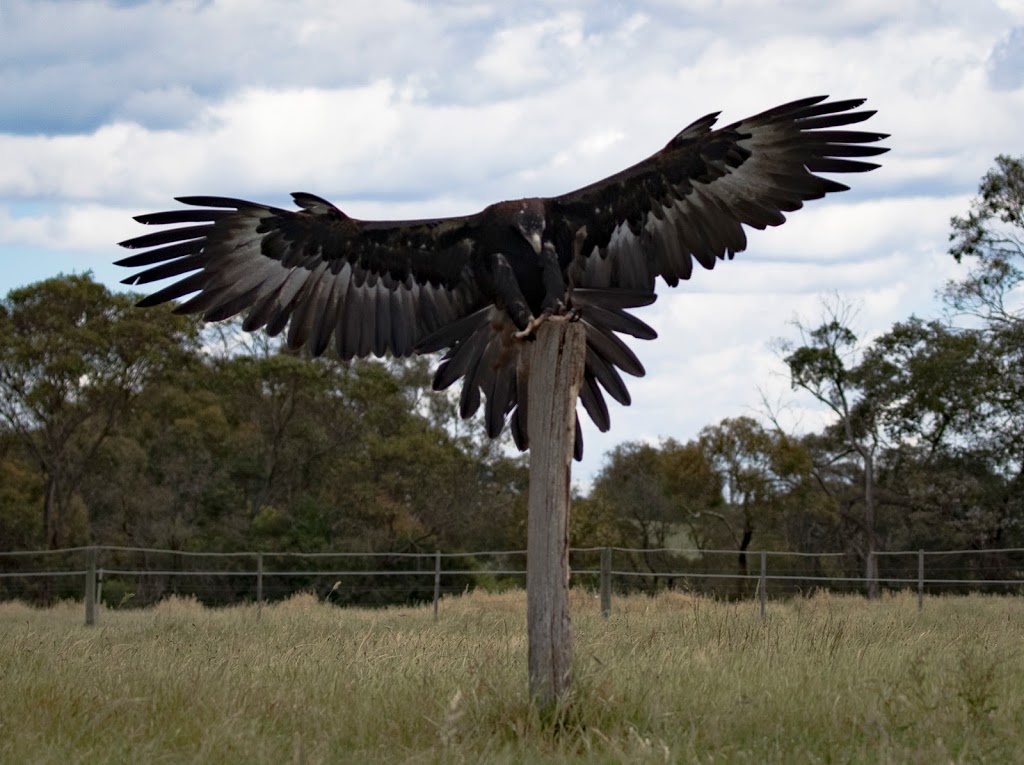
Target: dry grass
673, 679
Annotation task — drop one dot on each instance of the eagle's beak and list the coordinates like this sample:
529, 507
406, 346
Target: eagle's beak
535, 241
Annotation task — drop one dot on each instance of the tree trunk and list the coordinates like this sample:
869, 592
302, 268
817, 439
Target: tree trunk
555, 375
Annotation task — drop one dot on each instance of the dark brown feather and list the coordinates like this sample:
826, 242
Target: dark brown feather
697, 192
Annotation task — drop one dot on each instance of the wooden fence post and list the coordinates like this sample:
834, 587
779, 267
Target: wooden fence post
606, 582
90, 587
763, 582
437, 581
259, 584
920, 580
872, 582
555, 363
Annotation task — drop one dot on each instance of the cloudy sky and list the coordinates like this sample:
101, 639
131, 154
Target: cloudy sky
397, 109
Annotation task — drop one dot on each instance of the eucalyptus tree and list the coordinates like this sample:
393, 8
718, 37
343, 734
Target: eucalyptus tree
73, 356
825, 365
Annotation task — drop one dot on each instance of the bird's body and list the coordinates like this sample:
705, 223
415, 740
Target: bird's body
475, 286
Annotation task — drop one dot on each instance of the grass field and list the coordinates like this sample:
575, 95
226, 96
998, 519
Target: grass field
673, 679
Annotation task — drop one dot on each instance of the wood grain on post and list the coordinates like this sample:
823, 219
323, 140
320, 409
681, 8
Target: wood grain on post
556, 360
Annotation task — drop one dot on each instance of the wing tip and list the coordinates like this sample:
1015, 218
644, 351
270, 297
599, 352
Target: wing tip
211, 201
148, 301
316, 205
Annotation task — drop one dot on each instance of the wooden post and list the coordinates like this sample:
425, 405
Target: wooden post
90, 587
437, 581
762, 587
556, 360
872, 582
259, 584
920, 580
99, 588
606, 582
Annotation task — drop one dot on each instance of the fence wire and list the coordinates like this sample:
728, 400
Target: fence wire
134, 576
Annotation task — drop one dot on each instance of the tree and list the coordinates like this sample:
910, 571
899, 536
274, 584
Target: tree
758, 468
20, 495
933, 384
73, 356
659, 495
991, 237
930, 382
825, 365
631, 482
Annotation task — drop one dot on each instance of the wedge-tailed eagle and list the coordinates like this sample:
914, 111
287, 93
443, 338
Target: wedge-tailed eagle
475, 286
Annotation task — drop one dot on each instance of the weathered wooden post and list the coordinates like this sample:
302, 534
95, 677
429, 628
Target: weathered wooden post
90, 587
872, 582
763, 582
920, 580
259, 584
437, 581
555, 373
606, 582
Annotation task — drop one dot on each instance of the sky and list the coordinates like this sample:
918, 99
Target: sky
398, 109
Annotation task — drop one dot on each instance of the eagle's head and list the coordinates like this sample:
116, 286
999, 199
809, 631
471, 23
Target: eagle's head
529, 221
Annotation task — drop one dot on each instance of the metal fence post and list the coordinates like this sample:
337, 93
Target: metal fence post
920, 580
437, 581
606, 582
90, 587
259, 584
763, 582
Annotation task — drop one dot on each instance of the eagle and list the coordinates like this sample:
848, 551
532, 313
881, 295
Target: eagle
476, 287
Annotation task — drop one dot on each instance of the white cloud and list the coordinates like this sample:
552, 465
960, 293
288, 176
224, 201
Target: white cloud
89, 229
833, 229
1014, 8
391, 136
398, 109
521, 55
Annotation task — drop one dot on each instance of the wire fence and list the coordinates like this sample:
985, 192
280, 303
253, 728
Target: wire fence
118, 577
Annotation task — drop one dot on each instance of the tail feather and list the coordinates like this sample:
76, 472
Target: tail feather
459, 360
501, 398
593, 402
484, 353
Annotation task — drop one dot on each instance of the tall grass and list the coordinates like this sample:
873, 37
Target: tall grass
670, 679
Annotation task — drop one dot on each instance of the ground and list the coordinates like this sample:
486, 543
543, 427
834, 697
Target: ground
670, 679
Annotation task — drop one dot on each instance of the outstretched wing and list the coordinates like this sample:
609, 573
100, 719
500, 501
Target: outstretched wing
691, 199
375, 287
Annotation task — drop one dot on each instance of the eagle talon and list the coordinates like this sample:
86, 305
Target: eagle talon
553, 307
532, 326
570, 314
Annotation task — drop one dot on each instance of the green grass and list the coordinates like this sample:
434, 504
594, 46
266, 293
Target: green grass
674, 679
